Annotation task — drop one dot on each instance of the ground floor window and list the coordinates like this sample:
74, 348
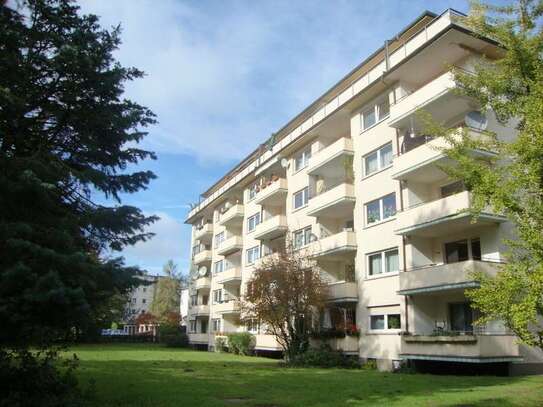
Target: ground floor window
216, 325
461, 317
253, 325
193, 326
385, 322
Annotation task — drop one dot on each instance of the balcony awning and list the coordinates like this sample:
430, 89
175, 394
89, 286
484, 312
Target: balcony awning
463, 359
437, 288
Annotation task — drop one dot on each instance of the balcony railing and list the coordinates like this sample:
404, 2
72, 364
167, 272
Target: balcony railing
432, 278
202, 232
271, 228
203, 256
230, 245
343, 291
202, 283
232, 215
335, 202
227, 306
273, 193
198, 338
232, 274
329, 160
336, 244
200, 309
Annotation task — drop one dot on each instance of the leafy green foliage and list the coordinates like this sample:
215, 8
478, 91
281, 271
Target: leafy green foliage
67, 134
241, 343
324, 356
168, 292
511, 182
171, 335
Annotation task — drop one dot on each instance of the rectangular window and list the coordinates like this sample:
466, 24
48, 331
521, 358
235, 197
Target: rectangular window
253, 254
302, 237
203, 326
134, 300
217, 296
476, 249
375, 113
456, 251
218, 267
193, 300
219, 238
301, 198
252, 222
216, 325
385, 322
461, 317
143, 300
452, 189
381, 209
302, 160
383, 262
252, 191
193, 326
378, 159
253, 326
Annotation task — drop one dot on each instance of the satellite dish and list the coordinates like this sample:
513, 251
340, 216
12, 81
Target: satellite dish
202, 271
284, 163
476, 120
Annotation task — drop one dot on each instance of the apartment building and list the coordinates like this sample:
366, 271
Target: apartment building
358, 184
141, 297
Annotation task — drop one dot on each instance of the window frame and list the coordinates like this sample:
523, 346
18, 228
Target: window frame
214, 321
217, 296
252, 192
305, 198
375, 108
381, 210
305, 232
382, 254
305, 156
223, 238
258, 219
385, 322
252, 250
378, 154
193, 326
221, 262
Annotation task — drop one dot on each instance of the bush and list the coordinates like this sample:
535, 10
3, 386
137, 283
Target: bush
172, 336
241, 343
37, 379
221, 344
324, 356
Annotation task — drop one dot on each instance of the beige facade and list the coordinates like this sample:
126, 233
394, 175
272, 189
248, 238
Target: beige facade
358, 184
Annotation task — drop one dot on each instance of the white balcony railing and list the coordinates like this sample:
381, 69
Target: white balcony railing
328, 160
230, 275
203, 256
202, 283
232, 215
203, 232
336, 202
343, 291
339, 243
271, 228
230, 245
273, 194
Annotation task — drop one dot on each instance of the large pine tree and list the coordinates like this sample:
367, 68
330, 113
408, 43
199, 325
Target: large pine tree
67, 137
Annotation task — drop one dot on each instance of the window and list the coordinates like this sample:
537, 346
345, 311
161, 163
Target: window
253, 190
375, 113
383, 262
461, 317
301, 198
216, 325
381, 209
253, 254
385, 322
453, 188
144, 289
302, 159
203, 326
253, 325
219, 238
193, 326
378, 159
134, 300
302, 237
217, 296
218, 267
459, 250
193, 300
143, 300
252, 222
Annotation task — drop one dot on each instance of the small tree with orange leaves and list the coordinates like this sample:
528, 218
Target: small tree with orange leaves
284, 292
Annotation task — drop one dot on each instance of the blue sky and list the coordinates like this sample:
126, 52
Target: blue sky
223, 75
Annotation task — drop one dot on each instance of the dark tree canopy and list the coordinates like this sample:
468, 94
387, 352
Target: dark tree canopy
67, 135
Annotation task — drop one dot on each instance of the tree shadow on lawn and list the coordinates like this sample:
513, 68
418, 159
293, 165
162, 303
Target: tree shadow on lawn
219, 383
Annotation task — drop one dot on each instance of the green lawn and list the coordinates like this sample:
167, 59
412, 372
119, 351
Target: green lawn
148, 375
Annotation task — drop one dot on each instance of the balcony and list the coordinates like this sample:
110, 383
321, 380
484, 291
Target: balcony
273, 194
441, 217
329, 162
423, 157
229, 276
233, 216
198, 338
203, 232
199, 310
203, 256
434, 278
202, 283
437, 97
230, 245
227, 307
337, 202
461, 348
271, 228
339, 244
343, 291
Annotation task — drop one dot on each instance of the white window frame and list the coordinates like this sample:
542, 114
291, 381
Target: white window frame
386, 328
381, 210
193, 326
253, 326
306, 237
304, 157
305, 198
216, 241
214, 322
254, 249
215, 266
375, 106
383, 263
217, 296
377, 152
252, 191
256, 219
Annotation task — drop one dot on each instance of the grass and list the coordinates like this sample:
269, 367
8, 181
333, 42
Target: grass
150, 375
